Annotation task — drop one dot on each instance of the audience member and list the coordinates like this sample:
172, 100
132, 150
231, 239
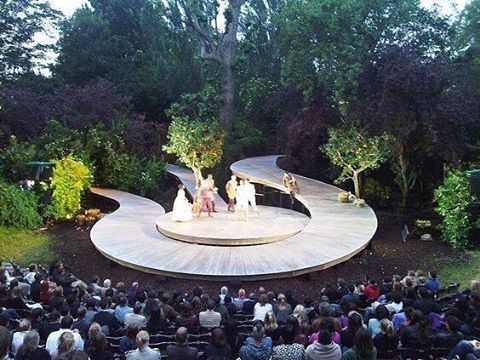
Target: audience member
181, 350
143, 351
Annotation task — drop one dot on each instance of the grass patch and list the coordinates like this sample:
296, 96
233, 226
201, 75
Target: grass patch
25, 246
463, 272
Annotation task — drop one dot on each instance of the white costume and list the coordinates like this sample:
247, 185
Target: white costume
242, 199
250, 194
182, 209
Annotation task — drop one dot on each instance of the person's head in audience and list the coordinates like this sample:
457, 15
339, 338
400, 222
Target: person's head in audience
325, 310
224, 290
4, 342
381, 312
241, 293
95, 279
99, 343
409, 293
351, 288
30, 343
81, 313
475, 285
361, 289
324, 337
453, 324
397, 286
355, 321
397, 298
105, 303
258, 332
107, 283
341, 282
37, 313
231, 328
210, 305
218, 337
91, 304
132, 331
94, 329
408, 282
38, 277
54, 317
474, 298
432, 274
65, 343
363, 343
263, 299
66, 322
288, 334
24, 325
281, 299
270, 321
109, 293
121, 288
181, 336
64, 310
137, 309
424, 293
122, 300
261, 290
386, 327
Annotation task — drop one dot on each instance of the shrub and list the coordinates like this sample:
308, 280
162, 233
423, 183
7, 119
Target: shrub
18, 208
452, 198
69, 181
14, 158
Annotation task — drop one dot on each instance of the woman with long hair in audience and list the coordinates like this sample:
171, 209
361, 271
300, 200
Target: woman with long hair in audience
363, 348
302, 318
381, 312
156, 321
186, 318
347, 335
416, 334
129, 341
30, 350
386, 340
282, 308
289, 350
66, 344
218, 347
272, 328
98, 348
262, 307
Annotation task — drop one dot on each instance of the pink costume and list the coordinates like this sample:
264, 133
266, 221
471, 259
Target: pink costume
206, 196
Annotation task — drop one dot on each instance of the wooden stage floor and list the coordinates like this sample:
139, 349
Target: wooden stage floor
335, 233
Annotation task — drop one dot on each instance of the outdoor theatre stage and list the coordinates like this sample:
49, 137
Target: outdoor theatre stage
279, 243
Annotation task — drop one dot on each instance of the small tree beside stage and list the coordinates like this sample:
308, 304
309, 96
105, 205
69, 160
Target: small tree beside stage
355, 151
197, 144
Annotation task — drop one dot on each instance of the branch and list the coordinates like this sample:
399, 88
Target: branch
210, 55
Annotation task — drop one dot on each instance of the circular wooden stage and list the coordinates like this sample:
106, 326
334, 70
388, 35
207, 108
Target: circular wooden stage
334, 232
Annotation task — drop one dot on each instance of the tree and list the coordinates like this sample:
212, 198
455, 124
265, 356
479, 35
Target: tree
423, 103
69, 181
355, 151
197, 144
328, 42
20, 23
216, 46
452, 199
134, 45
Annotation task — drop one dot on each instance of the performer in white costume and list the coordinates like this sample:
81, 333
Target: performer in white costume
250, 193
242, 200
182, 209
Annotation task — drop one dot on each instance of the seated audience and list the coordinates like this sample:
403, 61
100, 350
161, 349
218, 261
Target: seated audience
262, 307
143, 351
30, 350
181, 350
218, 347
323, 347
135, 318
210, 318
363, 348
53, 339
289, 350
385, 340
258, 346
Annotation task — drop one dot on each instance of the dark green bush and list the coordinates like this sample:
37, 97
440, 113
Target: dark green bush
18, 208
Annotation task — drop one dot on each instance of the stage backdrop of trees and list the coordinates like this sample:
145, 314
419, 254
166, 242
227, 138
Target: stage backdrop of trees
276, 74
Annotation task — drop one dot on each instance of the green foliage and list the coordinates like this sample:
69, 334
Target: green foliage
70, 179
25, 246
355, 151
14, 158
129, 173
197, 144
452, 198
18, 208
373, 190
21, 21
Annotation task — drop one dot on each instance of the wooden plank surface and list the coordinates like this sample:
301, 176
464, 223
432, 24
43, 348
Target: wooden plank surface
335, 233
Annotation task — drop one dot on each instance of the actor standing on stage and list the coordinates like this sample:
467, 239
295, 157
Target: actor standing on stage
291, 184
231, 189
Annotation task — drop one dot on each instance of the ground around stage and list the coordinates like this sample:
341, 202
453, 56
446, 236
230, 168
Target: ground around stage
388, 254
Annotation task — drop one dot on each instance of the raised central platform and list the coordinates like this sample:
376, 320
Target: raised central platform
227, 229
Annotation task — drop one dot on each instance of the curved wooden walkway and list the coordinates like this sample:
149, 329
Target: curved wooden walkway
335, 233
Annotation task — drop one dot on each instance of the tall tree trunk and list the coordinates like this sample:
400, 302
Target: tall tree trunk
228, 97
356, 183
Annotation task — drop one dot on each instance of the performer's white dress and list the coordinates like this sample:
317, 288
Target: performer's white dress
242, 199
182, 209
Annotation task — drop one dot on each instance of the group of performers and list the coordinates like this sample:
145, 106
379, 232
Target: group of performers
241, 195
